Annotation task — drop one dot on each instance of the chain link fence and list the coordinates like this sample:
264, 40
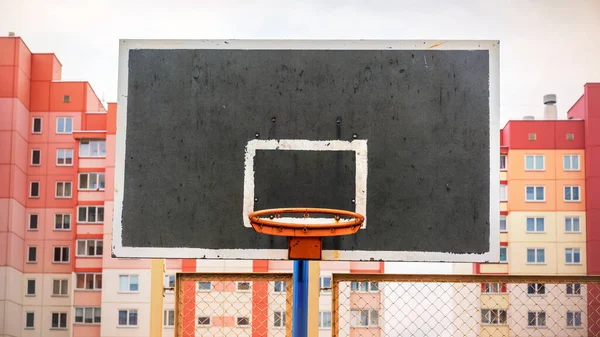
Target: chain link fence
465, 305
253, 304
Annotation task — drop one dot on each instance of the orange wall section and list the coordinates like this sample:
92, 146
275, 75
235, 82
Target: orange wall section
76, 91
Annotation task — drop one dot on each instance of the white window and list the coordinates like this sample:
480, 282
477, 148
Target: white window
534, 163
536, 318
88, 281
494, 288
36, 157
204, 320
63, 189
30, 288
89, 247
572, 193
128, 317
571, 162
128, 283
169, 318
364, 318
573, 289
62, 222
36, 125
90, 214
61, 255
325, 284
31, 254
324, 319
364, 287
535, 225
64, 157
279, 286
91, 181
535, 193
243, 286
503, 192
279, 319
572, 256
60, 287
59, 320
536, 255
204, 286
34, 189
33, 222
502, 162
64, 125
242, 321
572, 224
29, 320
503, 254
574, 318
503, 226
536, 289
92, 148
87, 315
494, 316
169, 283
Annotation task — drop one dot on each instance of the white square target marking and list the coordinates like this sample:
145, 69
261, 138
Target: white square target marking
358, 146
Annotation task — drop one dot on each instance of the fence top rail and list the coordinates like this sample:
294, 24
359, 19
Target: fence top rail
461, 278
212, 276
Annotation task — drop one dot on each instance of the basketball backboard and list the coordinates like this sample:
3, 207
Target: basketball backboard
403, 132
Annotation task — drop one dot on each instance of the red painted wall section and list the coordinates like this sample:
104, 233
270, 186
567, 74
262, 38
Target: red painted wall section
505, 139
575, 127
76, 93
577, 111
45, 67
93, 103
591, 100
520, 130
111, 119
260, 301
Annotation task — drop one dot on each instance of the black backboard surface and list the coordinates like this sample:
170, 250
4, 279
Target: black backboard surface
191, 112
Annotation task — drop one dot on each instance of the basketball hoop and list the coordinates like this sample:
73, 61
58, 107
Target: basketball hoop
305, 233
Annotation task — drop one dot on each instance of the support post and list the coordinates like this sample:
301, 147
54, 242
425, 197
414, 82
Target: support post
314, 291
300, 309
157, 281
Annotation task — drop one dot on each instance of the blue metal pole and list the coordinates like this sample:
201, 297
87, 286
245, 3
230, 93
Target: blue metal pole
300, 300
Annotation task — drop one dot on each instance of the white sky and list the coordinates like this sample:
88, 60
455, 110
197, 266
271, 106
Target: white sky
547, 46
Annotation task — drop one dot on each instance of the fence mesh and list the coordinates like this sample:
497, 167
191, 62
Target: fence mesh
473, 305
233, 304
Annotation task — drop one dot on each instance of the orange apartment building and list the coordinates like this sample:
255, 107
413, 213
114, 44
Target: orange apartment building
57, 278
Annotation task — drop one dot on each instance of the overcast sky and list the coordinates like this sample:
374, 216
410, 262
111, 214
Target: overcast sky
547, 46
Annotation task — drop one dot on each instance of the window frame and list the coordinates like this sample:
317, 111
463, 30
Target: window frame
572, 188
369, 316
87, 213
237, 286
62, 216
60, 315
89, 142
538, 289
536, 255
503, 192
27, 326
282, 319
573, 251
490, 318
85, 280
37, 222
129, 284
208, 320
168, 284
31, 163
537, 319
323, 288
494, 288
62, 250
506, 254
64, 157
237, 321
505, 218
572, 219
27, 293
128, 325
536, 220
39, 187
64, 189
570, 323
204, 289
29, 260
167, 318
535, 187
282, 287
84, 309
571, 157
535, 169
505, 162
88, 174
369, 287
62, 283
86, 247
322, 320
575, 289
65, 132
33, 119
